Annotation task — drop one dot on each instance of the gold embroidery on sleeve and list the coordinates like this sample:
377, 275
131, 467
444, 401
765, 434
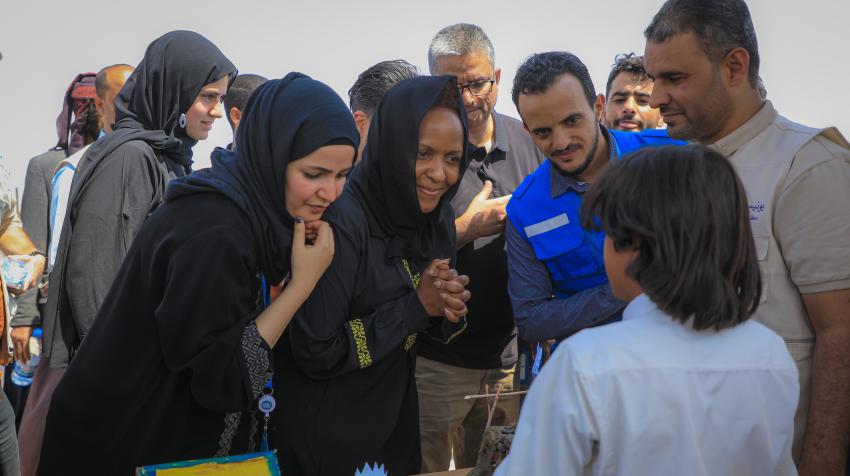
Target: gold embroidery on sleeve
414, 279
408, 343
358, 331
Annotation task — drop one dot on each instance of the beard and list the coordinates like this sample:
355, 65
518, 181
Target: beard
585, 164
702, 123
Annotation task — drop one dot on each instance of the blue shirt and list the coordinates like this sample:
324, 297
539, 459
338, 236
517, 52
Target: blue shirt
537, 314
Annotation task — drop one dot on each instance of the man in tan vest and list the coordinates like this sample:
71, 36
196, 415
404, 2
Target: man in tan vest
704, 58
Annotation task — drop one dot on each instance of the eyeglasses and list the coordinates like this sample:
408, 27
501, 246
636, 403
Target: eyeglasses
477, 88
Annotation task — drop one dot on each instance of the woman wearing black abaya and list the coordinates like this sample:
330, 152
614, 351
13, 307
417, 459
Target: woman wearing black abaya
345, 369
173, 365
167, 105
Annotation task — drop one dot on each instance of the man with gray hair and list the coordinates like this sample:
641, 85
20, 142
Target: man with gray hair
483, 357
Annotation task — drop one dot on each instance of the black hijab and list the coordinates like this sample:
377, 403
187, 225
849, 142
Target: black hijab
386, 178
284, 120
163, 86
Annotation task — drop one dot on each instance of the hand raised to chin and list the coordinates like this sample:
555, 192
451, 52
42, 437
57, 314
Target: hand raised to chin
311, 230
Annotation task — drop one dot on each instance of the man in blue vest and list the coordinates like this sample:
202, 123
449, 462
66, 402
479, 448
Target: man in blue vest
556, 279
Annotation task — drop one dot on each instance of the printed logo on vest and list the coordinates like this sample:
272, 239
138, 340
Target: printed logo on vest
756, 209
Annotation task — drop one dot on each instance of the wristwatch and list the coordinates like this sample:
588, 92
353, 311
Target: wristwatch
38, 253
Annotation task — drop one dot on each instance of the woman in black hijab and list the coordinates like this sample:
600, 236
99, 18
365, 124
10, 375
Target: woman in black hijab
345, 381
167, 104
180, 351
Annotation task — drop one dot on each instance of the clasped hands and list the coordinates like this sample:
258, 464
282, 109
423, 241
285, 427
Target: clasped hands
443, 292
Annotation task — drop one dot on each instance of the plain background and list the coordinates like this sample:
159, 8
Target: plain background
803, 46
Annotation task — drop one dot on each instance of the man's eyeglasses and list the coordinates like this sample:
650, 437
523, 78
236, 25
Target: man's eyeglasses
477, 88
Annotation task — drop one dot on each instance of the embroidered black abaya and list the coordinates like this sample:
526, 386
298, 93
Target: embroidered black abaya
345, 370
173, 364
122, 178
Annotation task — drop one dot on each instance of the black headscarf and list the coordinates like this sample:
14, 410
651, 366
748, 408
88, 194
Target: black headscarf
284, 120
163, 86
386, 178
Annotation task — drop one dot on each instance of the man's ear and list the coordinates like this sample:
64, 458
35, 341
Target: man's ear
599, 107
737, 66
498, 75
362, 122
235, 116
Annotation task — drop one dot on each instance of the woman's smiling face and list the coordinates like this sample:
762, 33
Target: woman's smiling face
439, 156
203, 113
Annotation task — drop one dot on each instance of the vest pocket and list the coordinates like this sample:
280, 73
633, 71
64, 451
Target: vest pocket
564, 253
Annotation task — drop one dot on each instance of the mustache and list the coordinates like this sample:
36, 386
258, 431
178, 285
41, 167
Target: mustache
629, 118
668, 109
567, 149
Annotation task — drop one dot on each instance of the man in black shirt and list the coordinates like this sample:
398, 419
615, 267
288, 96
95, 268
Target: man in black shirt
485, 354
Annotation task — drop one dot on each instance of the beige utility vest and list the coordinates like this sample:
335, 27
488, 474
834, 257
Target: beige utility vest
763, 164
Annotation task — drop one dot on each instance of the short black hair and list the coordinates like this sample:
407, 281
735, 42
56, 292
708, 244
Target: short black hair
685, 211
626, 63
100, 78
239, 92
377, 80
719, 25
540, 70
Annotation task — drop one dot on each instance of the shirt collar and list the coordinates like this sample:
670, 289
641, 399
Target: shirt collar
639, 307
747, 131
562, 183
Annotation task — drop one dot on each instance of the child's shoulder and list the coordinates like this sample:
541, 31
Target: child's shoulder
763, 341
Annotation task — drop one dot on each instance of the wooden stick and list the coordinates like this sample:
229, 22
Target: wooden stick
493, 408
488, 395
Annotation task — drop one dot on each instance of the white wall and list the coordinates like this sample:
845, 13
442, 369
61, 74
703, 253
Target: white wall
45, 44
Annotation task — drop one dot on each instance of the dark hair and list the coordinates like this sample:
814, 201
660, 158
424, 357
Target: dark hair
239, 92
719, 25
377, 80
685, 211
100, 79
626, 63
540, 70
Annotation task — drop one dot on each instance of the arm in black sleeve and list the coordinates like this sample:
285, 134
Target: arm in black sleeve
328, 340
205, 320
